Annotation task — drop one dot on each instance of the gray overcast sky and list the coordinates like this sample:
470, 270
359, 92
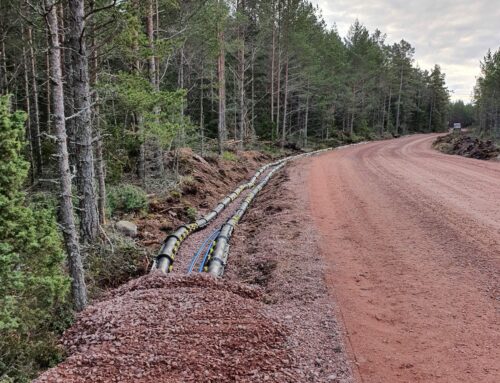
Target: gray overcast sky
455, 34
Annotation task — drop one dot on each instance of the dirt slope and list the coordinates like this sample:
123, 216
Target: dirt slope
412, 242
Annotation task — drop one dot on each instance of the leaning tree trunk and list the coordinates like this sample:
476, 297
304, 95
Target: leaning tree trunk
66, 213
89, 218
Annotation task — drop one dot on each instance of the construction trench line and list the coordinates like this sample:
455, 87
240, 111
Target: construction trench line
216, 256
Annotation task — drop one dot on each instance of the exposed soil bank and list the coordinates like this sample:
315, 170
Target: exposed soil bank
467, 146
204, 181
411, 238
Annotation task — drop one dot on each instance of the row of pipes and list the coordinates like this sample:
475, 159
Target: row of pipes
166, 256
216, 260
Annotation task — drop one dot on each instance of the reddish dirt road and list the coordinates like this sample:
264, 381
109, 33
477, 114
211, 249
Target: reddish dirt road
411, 239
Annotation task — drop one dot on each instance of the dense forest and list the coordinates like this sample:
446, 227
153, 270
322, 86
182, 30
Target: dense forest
95, 92
483, 113
487, 96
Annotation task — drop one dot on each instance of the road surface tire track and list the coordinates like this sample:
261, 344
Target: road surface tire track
411, 239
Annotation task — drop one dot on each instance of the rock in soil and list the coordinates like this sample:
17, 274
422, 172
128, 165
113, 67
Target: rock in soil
127, 228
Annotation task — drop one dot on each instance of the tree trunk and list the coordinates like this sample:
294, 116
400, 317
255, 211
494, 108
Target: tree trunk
138, 119
100, 171
278, 94
306, 121
430, 114
221, 69
37, 143
150, 34
100, 162
68, 78
382, 126
142, 149
351, 121
252, 120
398, 113
202, 116
285, 105
89, 218
389, 111
48, 87
66, 212
273, 59
158, 150
241, 82
29, 133
4, 83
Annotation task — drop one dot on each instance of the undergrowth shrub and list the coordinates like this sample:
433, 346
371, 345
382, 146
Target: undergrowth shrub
126, 199
33, 286
114, 262
229, 156
191, 213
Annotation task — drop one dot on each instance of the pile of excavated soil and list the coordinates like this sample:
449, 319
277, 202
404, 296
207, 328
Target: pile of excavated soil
275, 247
467, 146
176, 329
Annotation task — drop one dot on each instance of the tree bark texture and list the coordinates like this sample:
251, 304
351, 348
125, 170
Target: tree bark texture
66, 212
89, 218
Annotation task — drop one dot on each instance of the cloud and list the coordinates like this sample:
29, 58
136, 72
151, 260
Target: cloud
456, 34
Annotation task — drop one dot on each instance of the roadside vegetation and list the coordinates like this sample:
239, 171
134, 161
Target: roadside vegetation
480, 119
147, 111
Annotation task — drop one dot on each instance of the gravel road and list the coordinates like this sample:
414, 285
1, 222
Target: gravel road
411, 239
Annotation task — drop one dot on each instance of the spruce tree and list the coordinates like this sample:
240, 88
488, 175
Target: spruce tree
32, 283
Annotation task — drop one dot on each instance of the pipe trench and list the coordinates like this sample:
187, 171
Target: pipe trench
219, 252
166, 256
216, 258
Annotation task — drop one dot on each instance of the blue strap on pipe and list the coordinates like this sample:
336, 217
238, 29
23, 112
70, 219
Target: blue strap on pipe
210, 238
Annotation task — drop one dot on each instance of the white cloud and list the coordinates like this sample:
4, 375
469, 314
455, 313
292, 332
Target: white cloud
455, 34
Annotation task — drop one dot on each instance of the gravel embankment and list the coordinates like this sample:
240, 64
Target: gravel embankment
176, 329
